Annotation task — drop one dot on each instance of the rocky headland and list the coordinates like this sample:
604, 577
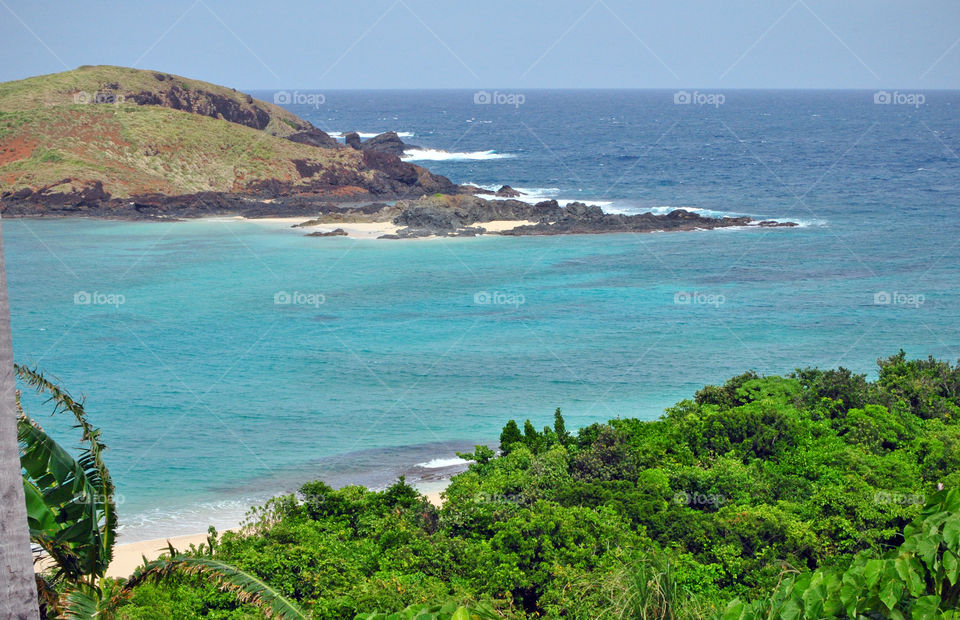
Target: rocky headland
132, 144
466, 215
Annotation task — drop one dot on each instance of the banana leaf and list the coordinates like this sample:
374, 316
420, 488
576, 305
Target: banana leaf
70, 501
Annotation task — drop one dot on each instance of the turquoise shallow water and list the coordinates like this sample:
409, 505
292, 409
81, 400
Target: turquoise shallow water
212, 395
209, 392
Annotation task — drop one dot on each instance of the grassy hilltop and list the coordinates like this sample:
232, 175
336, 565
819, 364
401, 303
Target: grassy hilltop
108, 84
100, 133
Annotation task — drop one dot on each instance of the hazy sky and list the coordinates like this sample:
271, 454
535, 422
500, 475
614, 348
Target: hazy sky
496, 43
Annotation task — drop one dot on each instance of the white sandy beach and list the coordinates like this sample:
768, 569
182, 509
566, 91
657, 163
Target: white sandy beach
359, 230
126, 558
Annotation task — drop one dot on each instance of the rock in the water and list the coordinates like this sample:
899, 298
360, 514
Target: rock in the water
337, 232
508, 192
776, 224
474, 190
388, 142
352, 140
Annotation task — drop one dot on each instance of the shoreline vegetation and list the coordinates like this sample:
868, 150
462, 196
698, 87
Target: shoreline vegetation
129, 144
817, 494
128, 556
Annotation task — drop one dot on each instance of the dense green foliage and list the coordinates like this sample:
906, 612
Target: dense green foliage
761, 489
920, 579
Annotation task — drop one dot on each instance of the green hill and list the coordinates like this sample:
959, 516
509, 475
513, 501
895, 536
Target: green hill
97, 135
107, 84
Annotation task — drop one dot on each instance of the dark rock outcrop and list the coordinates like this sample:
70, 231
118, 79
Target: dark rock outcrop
388, 142
474, 190
579, 218
406, 174
508, 192
352, 140
205, 103
455, 215
337, 232
776, 224
315, 137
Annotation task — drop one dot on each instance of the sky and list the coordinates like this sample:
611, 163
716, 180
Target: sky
344, 44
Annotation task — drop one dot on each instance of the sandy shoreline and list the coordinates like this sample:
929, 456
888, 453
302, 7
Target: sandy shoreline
127, 557
359, 230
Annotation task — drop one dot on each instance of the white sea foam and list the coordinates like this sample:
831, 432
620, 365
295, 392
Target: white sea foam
665, 209
182, 520
438, 463
534, 195
801, 223
369, 134
441, 155
529, 194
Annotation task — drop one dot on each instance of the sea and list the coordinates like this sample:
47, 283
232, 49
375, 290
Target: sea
230, 361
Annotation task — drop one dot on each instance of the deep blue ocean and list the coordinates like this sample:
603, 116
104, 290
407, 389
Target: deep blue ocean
395, 354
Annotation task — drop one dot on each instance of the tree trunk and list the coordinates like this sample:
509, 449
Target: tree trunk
18, 590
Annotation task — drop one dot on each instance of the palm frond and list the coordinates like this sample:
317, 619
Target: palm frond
80, 514
246, 587
81, 603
